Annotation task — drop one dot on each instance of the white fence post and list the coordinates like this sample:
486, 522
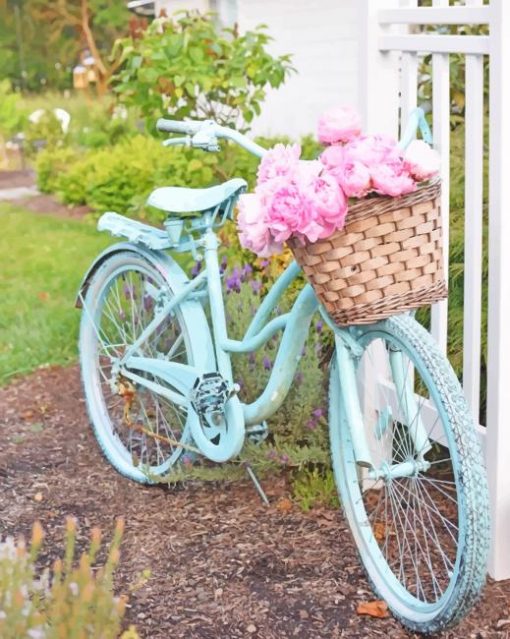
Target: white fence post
441, 133
498, 364
379, 72
379, 106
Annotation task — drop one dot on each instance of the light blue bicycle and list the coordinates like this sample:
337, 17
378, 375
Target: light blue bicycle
158, 381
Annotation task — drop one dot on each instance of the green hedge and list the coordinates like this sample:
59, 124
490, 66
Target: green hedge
120, 177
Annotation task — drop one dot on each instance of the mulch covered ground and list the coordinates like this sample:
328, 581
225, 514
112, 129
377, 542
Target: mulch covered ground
223, 565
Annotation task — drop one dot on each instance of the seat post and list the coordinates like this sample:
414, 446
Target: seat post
218, 319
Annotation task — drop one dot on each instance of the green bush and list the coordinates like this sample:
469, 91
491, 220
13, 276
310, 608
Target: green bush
188, 66
51, 164
121, 177
11, 112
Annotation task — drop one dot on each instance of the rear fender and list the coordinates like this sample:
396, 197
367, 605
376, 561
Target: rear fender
192, 311
165, 264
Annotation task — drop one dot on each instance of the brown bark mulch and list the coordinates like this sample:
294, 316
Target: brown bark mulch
222, 564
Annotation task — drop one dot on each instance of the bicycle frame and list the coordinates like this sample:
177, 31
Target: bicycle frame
295, 325
180, 378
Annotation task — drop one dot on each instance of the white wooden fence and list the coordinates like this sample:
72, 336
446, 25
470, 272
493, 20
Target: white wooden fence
390, 54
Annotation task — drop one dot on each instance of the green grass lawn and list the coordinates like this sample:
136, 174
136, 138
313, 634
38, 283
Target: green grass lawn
42, 261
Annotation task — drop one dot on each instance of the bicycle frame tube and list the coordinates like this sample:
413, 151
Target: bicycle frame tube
295, 324
287, 358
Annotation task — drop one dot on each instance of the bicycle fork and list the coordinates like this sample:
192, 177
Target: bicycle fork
348, 354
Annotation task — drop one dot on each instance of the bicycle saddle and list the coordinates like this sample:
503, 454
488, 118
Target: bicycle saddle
177, 199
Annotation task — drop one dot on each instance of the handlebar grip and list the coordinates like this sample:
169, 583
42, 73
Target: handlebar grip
178, 126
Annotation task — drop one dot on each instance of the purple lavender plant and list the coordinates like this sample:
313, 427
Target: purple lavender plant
197, 267
233, 282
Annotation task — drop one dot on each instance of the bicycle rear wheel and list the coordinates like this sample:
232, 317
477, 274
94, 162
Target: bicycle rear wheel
421, 520
141, 433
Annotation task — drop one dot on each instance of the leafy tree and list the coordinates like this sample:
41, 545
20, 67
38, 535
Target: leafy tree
41, 41
97, 23
190, 67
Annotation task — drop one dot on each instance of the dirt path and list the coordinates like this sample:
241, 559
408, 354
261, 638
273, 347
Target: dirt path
223, 565
19, 187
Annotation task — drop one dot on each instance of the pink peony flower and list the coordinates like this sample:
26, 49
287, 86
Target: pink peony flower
340, 124
253, 232
286, 209
329, 204
280, 160
421, 161
372, 150
354, 178
352, 175
332, 156
388, 180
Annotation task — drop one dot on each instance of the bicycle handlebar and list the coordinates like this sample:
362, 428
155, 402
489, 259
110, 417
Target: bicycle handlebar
179, 126
205, 134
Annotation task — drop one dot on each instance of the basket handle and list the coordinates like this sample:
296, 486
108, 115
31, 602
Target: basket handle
416, 120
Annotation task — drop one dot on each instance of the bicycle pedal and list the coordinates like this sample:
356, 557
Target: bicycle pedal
257, 433
209, 395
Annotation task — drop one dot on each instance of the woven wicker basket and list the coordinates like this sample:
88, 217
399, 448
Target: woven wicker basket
386, 260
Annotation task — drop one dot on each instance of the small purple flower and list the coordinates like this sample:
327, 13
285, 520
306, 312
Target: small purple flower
197, 267
318, 413
267, 363
148, 303
128, 292
251, 359
246, 271
187, 461
223, 264
319, 325
264, 263
284, 459
256, 286
233, 282
311, 424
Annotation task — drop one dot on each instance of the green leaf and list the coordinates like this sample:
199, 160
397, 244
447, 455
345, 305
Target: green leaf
195, 164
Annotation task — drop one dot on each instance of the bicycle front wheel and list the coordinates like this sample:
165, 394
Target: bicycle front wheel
420, 517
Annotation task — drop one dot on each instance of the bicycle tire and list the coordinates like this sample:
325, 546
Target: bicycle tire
467, 474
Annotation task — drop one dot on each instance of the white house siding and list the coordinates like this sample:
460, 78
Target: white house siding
322, 35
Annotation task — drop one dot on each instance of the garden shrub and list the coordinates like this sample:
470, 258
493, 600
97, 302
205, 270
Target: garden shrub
11, 111
72, 600
189, 66
45, 133
121, 177
51, 164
